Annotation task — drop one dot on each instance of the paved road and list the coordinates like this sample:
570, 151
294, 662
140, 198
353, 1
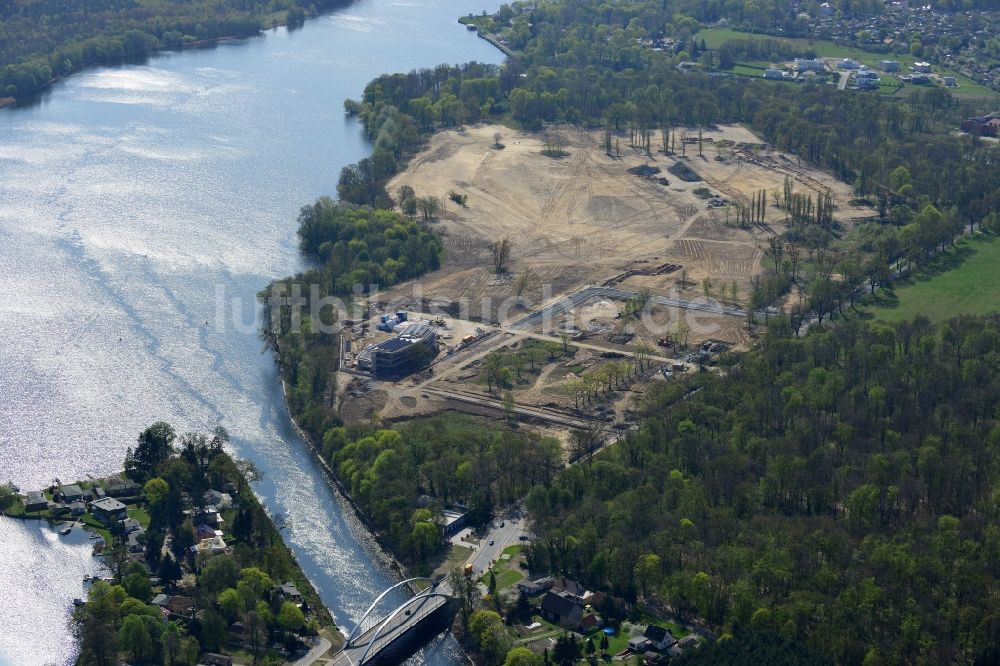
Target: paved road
842, 83
319, 649
508, 535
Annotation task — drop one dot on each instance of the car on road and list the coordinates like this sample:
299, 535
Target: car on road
491, 542
502, 523
523, 537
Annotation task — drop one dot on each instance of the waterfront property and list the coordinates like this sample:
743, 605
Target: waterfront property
70, 494
108, 510
35, 501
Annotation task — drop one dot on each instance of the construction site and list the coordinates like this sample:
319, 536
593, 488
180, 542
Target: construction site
624, 266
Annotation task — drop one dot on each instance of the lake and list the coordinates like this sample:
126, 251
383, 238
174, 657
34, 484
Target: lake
141, 209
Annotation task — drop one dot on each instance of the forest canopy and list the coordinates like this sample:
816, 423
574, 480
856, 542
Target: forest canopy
840, 489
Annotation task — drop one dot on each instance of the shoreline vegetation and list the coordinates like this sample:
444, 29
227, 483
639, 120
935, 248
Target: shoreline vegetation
66, 42
195, 566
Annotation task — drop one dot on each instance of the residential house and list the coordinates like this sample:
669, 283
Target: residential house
949, 81
889, 66
533, 588
108, 510
136, 541
809, 65
659, 638
70, 494
215, 546
182, 606
559, 608
36, 501
219, 500
288, 592
77, 508
848, 63
575, 591
130, 525
204, 531
771, 73
210, 517
161, 600
922, 67
123, 489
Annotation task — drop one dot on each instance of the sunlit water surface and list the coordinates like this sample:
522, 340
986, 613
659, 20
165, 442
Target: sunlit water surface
137, 205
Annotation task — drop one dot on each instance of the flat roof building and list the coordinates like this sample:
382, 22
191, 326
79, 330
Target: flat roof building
401, 355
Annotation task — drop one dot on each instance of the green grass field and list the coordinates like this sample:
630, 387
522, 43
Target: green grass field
716, 37
965, 280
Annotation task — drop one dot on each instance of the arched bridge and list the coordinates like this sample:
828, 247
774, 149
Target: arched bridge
383, 638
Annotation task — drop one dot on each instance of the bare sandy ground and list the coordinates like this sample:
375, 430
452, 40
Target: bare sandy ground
584, 219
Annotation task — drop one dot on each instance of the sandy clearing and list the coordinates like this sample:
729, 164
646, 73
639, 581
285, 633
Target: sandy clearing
584, 219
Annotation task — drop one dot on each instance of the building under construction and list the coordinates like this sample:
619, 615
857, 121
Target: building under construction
397, 357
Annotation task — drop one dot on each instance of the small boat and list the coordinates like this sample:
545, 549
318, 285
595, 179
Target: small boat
64, 531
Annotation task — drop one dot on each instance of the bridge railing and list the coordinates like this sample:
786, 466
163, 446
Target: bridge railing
421, 598
359, 627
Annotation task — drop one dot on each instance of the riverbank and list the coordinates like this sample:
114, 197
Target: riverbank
146, 41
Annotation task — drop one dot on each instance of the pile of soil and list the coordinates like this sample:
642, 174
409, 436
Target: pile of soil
684, 172
644, 170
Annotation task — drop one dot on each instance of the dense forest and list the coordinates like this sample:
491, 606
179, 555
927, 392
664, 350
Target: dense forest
44, 39
230, 596
840, 489
405, 476
357, 249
